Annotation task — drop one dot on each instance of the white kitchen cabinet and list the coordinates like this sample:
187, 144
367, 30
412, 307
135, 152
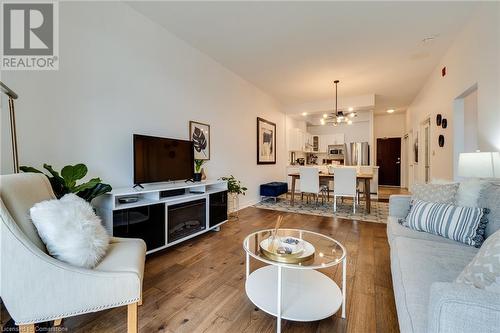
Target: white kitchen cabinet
324, 141
295, 139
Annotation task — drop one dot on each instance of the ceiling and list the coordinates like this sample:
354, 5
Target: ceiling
294, 50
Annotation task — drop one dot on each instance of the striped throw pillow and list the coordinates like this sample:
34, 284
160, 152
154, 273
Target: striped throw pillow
463, 224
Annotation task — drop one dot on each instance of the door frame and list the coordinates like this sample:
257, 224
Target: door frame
425, 150
404, 160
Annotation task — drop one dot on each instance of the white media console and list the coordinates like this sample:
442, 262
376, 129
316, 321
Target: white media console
165, 213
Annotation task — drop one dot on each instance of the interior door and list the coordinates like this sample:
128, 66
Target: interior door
389, 161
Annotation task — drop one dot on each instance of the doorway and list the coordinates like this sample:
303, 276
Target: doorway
389, 161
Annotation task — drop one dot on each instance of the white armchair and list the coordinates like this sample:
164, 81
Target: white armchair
36, 287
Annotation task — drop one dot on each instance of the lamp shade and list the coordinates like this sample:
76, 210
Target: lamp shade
479, 165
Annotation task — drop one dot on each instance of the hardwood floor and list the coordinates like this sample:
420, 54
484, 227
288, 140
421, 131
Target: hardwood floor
198, 286
384, 192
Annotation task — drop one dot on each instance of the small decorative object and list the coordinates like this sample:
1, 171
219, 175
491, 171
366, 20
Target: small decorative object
444, 123
197, 170
286, 249
415, 148
439, 117
126, 200
441, 140
266, 142
66, 182
234, 189
200, 135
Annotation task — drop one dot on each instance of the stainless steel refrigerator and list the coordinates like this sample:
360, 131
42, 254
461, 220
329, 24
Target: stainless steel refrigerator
359, 153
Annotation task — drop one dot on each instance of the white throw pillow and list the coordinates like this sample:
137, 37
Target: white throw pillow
71, 230
468, 192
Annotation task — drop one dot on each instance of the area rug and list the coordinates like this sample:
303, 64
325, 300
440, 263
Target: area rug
378, 214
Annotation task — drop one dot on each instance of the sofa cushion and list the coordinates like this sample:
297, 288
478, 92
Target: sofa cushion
438, 193
464, 224
124, 255
415, 265
490, 198
483, 271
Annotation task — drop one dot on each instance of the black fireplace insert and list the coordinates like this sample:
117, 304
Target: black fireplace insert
185, 219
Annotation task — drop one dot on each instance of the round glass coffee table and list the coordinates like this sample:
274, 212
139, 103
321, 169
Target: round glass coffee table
297, 291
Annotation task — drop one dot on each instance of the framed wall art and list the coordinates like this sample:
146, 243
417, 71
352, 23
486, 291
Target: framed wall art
199, 133
266, 142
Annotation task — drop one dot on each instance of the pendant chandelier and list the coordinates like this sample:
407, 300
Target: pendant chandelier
338, 117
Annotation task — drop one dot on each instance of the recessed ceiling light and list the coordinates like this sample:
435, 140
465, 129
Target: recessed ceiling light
390, 111
351, 109
325, 115
349, 122
304, 114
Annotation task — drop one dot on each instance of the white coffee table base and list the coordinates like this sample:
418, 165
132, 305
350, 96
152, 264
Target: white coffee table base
305, 295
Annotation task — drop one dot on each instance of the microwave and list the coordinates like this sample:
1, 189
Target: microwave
335, 151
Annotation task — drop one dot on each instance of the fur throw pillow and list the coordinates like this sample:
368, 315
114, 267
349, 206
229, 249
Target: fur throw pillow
71, 230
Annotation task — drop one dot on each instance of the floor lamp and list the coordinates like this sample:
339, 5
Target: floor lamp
12, 96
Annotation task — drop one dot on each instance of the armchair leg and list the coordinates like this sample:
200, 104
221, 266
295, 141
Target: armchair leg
140, 301
57, 322
29, 328
132, 318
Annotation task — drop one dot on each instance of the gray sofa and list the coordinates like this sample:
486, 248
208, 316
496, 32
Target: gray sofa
424, 268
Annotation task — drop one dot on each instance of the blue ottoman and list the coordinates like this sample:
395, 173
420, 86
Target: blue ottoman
273, 190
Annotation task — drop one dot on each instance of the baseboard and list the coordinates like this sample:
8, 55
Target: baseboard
249, 204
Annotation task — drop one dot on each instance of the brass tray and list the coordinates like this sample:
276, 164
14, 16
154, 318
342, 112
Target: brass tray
294, 258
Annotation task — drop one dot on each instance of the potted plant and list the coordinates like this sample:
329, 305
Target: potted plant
197, 169
234, 189
65, 182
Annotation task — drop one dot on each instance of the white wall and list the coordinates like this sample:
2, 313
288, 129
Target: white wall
357, 132
389, 126
473, 58
121, 74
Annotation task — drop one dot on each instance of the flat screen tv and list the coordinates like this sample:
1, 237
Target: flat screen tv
162, 159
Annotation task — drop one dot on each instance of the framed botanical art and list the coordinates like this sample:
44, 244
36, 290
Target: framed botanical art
266, 142
199, 133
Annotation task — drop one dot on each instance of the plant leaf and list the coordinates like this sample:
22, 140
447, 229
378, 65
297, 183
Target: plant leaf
91, 193
29, 169
72, 173
58, 184
85, 186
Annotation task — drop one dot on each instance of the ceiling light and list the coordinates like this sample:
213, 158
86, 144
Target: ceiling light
325, 115
349, 122
304, 114
390, 111
338, 116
